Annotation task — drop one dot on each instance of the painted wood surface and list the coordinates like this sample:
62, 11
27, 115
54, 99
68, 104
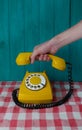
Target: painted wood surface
26, 23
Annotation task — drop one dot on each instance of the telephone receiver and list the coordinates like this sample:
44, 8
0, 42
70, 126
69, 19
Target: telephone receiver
57, 62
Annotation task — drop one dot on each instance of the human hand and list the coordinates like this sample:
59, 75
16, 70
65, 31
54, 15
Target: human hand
52, 46
41, 51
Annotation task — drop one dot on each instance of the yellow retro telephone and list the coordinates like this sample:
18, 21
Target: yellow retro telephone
35, 90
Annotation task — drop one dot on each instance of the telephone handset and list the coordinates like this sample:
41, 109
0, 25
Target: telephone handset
35, 90
57, 62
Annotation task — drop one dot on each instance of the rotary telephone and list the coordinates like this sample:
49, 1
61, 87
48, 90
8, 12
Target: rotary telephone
35, 90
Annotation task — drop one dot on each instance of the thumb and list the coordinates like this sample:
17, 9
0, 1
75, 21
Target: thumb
32, 59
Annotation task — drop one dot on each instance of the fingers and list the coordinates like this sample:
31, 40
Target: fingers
40, 53
42, 57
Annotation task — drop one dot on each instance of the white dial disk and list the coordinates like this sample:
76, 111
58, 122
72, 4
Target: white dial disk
35, 81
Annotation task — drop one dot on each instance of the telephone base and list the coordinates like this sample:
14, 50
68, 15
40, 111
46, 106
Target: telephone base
30, 95
37, 93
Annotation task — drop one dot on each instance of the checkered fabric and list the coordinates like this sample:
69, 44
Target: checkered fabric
65, 117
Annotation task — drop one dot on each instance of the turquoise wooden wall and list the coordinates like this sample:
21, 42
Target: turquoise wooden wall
26, 23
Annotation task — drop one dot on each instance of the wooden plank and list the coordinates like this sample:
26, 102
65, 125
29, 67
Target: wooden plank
4, 42
24, 24
61, 18
32, 29
76, 47
16, 37
55, 19
46, 29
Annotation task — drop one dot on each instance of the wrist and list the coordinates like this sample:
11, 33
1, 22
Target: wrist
54, 45
56, 41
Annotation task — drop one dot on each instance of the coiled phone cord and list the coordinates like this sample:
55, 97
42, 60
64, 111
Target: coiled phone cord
53, 103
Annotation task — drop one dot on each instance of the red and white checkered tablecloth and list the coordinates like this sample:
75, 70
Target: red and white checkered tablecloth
64, 117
